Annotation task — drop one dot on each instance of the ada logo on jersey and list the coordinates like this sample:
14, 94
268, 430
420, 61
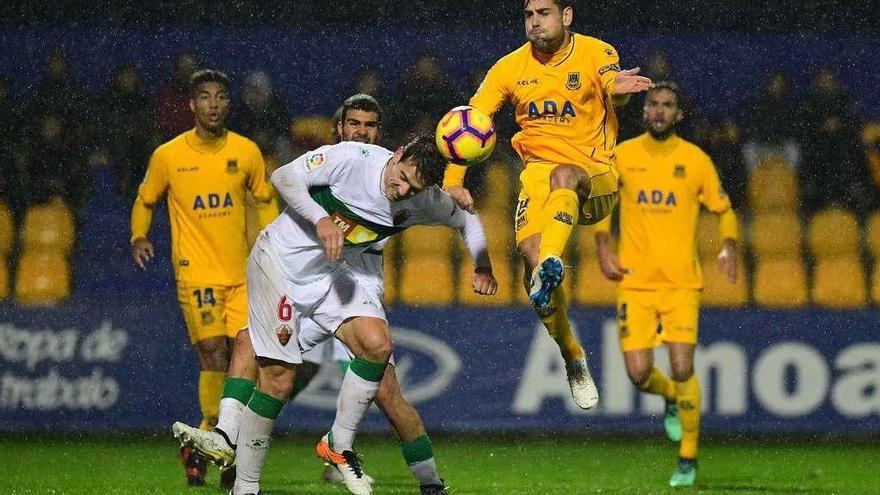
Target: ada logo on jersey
551, 108
213, 201
314, 161
656, 197
232, 166
679, 171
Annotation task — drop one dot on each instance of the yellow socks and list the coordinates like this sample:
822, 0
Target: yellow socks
560, 216
210, 392
659, 384
559, 327
688, 400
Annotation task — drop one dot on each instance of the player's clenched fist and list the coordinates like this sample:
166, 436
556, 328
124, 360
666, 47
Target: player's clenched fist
331, 237
484, 282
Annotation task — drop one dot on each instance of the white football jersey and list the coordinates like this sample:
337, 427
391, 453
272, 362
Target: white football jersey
369, 265
345, 179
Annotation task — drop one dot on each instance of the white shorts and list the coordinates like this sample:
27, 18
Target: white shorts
278, 307
318, 354
329, 351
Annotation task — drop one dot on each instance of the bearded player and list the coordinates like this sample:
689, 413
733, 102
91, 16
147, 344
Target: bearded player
564, 87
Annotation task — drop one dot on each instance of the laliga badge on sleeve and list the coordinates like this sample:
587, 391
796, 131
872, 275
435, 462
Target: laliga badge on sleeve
314, 161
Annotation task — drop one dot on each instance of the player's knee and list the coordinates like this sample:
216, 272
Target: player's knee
638, 376
213, 354
564, 176
376, 344
682, 372
380, 351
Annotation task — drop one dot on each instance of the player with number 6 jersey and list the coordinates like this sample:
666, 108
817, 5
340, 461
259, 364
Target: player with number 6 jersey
342, 200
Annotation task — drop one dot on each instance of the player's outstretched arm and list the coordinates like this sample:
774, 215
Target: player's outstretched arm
470, 227
474, 237
727, 260
629, 81
608, 260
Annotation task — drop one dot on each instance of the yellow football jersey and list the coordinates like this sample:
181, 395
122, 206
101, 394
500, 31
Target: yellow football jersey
563, 106
206, 183
662, 184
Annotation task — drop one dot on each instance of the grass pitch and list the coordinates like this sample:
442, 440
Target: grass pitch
148, 464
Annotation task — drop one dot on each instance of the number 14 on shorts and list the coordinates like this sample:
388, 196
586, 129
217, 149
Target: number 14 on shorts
204, 297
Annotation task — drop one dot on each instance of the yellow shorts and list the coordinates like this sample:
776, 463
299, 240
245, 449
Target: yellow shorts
647, 318
535, 189
211, 310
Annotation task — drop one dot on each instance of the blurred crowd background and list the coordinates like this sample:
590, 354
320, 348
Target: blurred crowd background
801, 151
622, 15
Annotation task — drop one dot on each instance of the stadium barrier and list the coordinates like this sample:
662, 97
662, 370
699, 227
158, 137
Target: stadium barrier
126, 364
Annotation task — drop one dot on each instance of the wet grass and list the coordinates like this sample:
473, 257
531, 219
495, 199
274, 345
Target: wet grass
147, 464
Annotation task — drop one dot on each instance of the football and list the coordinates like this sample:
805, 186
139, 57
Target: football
465, 136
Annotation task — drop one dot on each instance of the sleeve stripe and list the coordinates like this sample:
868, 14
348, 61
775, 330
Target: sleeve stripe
604, 124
